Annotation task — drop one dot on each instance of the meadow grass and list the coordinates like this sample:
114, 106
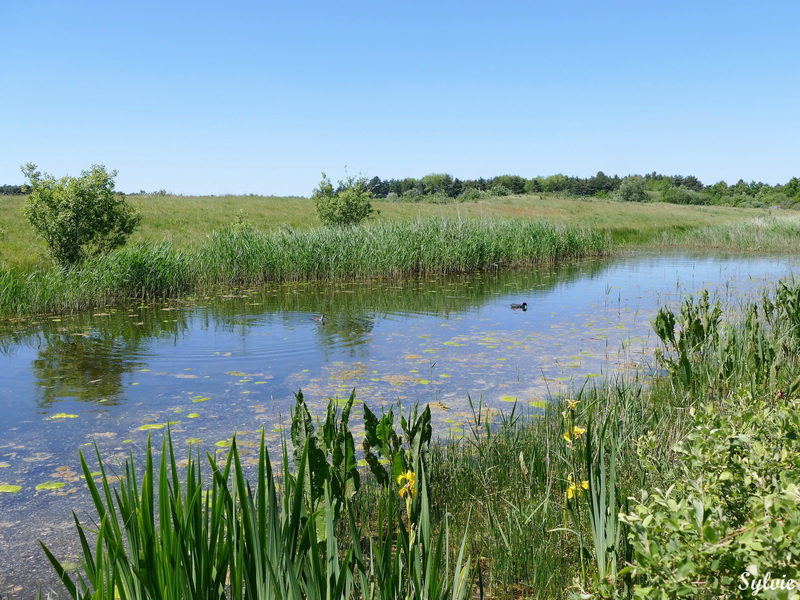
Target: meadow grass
769, 233
188, 221
242, 254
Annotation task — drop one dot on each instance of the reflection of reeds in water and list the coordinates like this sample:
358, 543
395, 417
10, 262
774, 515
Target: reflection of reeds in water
240, 254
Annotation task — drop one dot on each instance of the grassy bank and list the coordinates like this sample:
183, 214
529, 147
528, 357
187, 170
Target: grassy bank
702, 462
186, 222
771, 233
242, 254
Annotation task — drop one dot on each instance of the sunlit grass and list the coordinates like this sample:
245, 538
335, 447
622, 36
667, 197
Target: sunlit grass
772, 233
187, 221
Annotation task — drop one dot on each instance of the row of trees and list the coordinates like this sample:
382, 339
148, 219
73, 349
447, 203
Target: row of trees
672, 188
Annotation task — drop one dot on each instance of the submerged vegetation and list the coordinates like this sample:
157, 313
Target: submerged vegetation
684, 484
242, 254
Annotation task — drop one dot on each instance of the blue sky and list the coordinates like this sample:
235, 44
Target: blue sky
200, 97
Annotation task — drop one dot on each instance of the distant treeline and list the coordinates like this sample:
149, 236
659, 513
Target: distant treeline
11, 190
677, 189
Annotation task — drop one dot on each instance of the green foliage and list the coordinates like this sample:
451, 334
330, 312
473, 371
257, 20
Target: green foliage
732, 514
633, 189
680, 195
168, 533
78, 216
349, 204
332, 478
382, 445
699, 330
792, 188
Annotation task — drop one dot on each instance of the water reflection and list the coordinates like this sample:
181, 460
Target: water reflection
86, 357
85, 367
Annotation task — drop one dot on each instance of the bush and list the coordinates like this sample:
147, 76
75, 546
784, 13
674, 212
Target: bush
349, 204
499, 190
731, 520
632, 189
680, 195
78, 216
472, 195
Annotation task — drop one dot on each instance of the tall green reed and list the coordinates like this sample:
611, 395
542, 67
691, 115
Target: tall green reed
241, 254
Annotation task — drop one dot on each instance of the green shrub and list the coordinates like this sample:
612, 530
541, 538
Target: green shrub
349, 204
632, 189
78, 216
731, 519
680, 195
472, 195
499, 190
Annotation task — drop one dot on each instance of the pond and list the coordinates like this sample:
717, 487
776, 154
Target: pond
231, 362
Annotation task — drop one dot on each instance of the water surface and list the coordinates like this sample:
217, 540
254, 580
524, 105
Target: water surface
231, 362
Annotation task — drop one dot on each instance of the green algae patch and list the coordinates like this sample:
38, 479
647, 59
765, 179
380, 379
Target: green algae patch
151, 426
50, 485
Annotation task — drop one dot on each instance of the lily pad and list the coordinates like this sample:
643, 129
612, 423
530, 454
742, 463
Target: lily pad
63, 416
50, 485
11, 489
150, 426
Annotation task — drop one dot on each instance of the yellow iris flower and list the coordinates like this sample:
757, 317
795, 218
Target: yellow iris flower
576, 489
407, 482
574, 433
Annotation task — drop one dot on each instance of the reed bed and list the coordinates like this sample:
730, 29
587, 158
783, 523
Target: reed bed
241, 254
764, 234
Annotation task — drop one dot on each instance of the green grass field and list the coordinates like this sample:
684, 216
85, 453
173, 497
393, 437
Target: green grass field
188, 221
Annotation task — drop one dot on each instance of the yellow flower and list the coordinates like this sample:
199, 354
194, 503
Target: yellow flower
574, 433
576, 488
409, 487
573, 403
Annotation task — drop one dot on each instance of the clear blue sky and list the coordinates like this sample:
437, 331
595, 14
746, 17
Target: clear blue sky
248, 96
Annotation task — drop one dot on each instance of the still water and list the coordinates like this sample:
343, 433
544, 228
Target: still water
231, 362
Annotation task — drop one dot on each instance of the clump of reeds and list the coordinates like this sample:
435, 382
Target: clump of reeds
241, 254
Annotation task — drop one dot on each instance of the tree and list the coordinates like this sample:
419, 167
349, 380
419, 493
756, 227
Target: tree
632, 189
78, 216
349, 204
792, 188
